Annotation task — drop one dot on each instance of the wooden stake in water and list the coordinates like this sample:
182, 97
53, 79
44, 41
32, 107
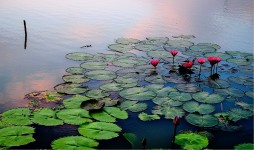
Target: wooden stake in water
25, 34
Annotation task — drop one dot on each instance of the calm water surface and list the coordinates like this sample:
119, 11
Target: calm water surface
58, 27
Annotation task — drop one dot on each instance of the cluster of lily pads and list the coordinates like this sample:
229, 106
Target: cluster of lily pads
106, 87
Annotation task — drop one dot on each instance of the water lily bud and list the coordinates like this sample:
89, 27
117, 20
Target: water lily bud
174, 52
176, 121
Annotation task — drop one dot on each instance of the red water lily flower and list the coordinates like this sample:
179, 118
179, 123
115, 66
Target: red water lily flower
176, 121
201, 60
155, 62
188, 64
218, 59
174, 52
212, 60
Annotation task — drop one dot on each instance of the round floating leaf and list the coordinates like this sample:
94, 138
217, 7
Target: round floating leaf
180, 43
244, 80
240, 62
137, 93
125, 80
92, 105
103, 117
156, 40
48, 96
167, 101
201, 120
16, 136
202, 48
245, 105
70, 88
158, 54
75, 70
217, 84
78, 56
18, 116
195, 107
132, 138
120, 48
236, 114
110, 102
146, 47
250, 94
101, 75
145, 117
155, 79
184, 36
127, 41
111, 87
246, 69
159, 90
191, 88
216, 46
138, 107
74, 142
205, 97
99, 130
176, 78
126, 104
244, 146
75, 101
96, 94
93, 65
191, 141
116, 112
238, 54
168, 112
230, 92
75, 78
180, 96
46, 117
129, 72
127, 62
74, 116
223, 56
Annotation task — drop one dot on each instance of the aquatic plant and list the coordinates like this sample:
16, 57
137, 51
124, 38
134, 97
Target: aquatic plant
244, 146
201, 61
173, 53
191, 141
176, 122
155, 62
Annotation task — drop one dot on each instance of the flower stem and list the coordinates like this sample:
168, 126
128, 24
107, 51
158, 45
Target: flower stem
173, 60
199, 71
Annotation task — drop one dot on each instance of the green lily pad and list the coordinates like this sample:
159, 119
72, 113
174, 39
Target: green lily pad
126, 104
180, 43
138, 107
133, 139
156, 40
167, 101
75, 78
156, 79
75, 101
74, 142
93, 65
78, 56
238, 54
246, 69
145, 117
110, 102
244, 80
184, 36
195, 107
175, 78
250, 94
201, 120
99, 130
192, 141
240, 62
74, 116
180, 96
168, 112
47, 96
16, 136
46, 117
127, 62
236, 114
216, 46
111, 87
96, 94
146, 47
116, 112
75, 70
223, 56
131, 72
127, 41
137, 93
70, 88
217, 84
190, 88
205, 97
103, 116
160, 90
108, 57
158, 54
92, 105
100, 75
244, 146
120, 48
245, 105
202, 48
230, 92
18, 116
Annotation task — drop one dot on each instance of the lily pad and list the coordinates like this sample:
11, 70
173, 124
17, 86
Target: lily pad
138, 107
145, 117
223, 56
160, 90
126, 104
127, 62
201, 120
245, 106
16, 136
103, 116
46, 117
47, 96
127, 41
92, 105
180, 43
74, 116
184, 36
180, 96
99, 130
137, 93
96, 94
236, 114
74, 142
75, 70
70, 88
167, 101
110, 102
75, 101
250, 94
168, 112
202, 48
155, 79
246, 69
230, 92
176, 78
205, 97
158, 54
238, 54
78, 56
240, 62
244, 80
156, 40
120, 48
93, 65
111, 87
195, 107
217, 84
75, 78
133, 139
101, 75
216, 46
244, 146
18, 116
190, 88
116, 112
146, 47
191, 141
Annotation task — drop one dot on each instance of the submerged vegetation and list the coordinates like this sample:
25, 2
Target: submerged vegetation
170, 73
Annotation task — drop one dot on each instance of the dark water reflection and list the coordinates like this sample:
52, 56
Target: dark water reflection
58, 27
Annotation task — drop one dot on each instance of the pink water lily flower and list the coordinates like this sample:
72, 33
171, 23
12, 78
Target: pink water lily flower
154, 62
174, 52
218, 59
188, 64
212, 60
201, 60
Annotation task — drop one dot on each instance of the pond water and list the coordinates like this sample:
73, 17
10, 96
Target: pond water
58, 27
